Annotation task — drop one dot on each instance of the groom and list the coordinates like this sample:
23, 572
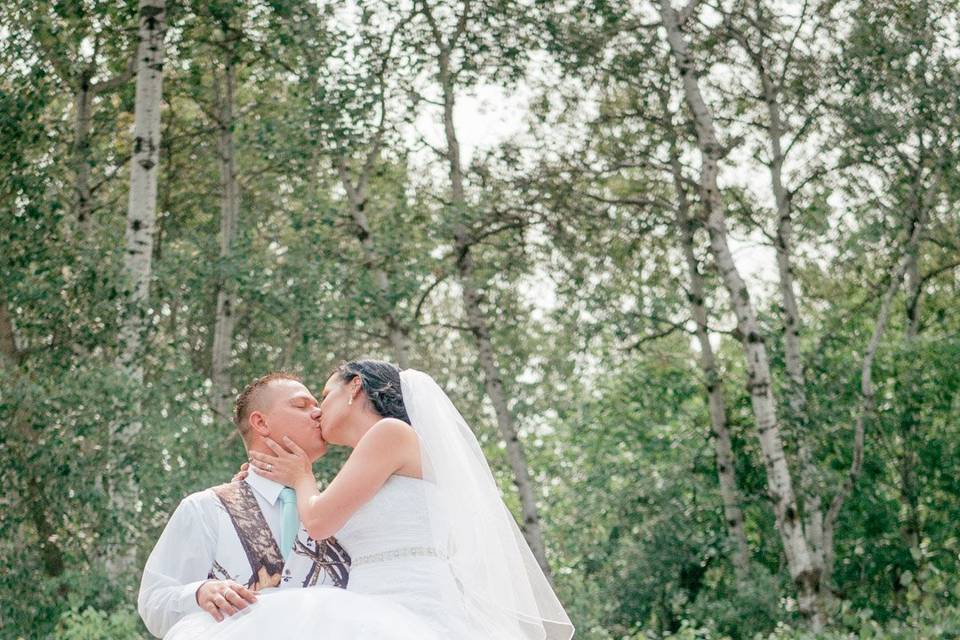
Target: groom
223, 544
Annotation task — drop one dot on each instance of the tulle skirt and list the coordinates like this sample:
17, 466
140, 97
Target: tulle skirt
321, 613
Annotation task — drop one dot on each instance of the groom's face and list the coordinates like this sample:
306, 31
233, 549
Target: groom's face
289, 409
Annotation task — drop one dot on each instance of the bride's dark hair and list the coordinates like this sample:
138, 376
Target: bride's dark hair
381, 384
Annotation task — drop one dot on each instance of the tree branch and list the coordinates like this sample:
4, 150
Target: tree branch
654, 336
425, 295
120, 79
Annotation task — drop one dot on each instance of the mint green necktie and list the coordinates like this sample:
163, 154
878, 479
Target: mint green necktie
291, 523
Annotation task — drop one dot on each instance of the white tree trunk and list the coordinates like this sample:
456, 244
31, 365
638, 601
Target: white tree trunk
723, 447
784, 246
800, 561
229, 210
141, 215
493, 381
142, 204
792, 325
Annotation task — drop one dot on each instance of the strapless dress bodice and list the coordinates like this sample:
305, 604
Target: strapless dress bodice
395, 523
392, 542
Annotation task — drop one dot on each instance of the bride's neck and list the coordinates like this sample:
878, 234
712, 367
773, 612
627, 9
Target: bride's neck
359, 426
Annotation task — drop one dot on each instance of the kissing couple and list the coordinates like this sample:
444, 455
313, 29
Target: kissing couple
409, 541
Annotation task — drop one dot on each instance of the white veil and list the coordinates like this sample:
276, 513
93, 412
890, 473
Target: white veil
504, 590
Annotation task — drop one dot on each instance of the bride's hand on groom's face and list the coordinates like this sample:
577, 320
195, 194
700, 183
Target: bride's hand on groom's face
289, 465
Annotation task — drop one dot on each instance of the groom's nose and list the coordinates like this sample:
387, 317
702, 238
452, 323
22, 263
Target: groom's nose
315, 414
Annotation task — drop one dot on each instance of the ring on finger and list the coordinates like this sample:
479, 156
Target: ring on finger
269, 466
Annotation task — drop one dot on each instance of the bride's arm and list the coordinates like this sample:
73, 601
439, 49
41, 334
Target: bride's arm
388, 446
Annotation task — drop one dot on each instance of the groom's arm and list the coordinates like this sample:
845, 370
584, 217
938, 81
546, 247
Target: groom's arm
178, 565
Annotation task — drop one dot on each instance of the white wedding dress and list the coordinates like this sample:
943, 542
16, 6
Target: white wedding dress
400, 586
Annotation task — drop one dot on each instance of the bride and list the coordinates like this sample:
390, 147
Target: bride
435, 551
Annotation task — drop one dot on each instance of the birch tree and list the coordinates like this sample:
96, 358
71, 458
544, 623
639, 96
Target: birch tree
716, 403
86, 92
452, 45
232, 35
142, 202
810, 552
141, 214
780, 486
779, 57
638, 141
224, 83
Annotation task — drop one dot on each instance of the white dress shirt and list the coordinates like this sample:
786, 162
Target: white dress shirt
199, 534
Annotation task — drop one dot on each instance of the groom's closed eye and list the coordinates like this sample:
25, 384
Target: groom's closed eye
303, 403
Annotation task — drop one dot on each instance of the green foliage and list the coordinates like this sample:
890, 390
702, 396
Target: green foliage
94, 624
735, 609
578, 262
927, 619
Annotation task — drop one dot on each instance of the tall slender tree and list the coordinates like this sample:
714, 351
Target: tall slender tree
780, 485
225, 86
142, 201
141, 215
452, 45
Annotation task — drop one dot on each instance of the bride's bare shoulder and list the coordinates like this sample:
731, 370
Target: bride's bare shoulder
391, 430
393, 423
396, 438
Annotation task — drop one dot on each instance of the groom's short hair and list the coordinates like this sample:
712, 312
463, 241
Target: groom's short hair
249, 399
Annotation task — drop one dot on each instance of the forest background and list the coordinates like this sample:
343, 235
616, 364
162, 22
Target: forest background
697, 293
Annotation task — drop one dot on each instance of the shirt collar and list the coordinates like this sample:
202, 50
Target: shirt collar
269, 489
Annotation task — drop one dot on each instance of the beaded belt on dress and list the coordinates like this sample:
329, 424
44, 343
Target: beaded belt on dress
395, 554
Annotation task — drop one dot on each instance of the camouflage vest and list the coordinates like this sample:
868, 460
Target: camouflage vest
266, 562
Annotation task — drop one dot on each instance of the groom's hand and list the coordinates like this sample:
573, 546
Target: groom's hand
240, 475
222, 598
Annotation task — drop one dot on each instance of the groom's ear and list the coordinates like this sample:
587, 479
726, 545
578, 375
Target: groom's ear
258, 424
